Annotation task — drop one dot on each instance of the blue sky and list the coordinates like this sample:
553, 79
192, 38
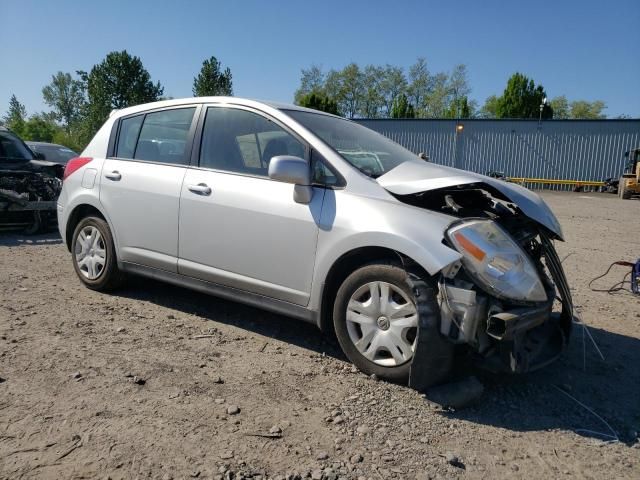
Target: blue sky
582, 49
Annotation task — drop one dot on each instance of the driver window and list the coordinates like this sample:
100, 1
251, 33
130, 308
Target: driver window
240, 141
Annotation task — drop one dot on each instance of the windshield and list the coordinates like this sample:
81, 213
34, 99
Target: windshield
368, 151
12, 149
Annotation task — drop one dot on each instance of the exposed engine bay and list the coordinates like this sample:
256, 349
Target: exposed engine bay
27, 197
510, 334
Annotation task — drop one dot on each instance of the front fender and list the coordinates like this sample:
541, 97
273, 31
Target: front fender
350, 222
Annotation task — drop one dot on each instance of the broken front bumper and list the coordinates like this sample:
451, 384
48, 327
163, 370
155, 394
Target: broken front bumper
512, 339
529, 338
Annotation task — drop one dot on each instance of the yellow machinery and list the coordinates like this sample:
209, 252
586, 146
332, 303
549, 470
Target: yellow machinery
630, 180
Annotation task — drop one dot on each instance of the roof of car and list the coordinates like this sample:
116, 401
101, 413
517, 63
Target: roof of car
228, 100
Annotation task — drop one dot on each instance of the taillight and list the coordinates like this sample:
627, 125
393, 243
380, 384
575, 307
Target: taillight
74, 164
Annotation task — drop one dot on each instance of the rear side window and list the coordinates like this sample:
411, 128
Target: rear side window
157, 137
129, 129
240, 141
163, 137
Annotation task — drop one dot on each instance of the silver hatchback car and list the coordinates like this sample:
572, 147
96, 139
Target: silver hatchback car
313, 216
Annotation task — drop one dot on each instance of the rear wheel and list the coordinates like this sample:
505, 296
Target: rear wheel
94, 257
623, 191
376, 317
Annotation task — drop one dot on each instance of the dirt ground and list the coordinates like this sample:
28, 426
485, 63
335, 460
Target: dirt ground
118, 386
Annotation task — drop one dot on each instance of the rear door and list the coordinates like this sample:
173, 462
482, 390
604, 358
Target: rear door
141, 182
238, 227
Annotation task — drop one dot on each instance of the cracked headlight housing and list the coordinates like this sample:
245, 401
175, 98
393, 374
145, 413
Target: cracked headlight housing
496, 261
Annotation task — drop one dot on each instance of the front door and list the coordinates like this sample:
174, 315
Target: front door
239, 228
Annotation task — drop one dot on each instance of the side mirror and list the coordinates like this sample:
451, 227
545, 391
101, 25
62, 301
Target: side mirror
295, 170
38, 156
423, 156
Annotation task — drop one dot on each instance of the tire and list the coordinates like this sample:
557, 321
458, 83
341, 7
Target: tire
623, 191
95, 264
357, 289
36, 226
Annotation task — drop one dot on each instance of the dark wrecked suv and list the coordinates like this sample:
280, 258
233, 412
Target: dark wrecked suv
29, 186
314, 216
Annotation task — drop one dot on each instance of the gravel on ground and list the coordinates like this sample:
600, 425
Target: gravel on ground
161, 382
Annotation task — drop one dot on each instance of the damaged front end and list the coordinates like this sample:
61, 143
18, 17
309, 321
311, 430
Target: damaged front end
28, 195
29, 187
507, 299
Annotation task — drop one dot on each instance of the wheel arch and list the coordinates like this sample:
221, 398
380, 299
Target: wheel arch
346, 264
79, 212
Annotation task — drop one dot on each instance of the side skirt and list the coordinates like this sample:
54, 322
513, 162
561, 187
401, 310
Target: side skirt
228, 293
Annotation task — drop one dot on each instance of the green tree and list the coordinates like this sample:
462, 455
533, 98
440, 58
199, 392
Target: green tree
311, 80
392, 84
15, 117
40, 128
373, 92
72, 140
583, 109
319, 101
459, 83
402, 108
212, 80
577, 109
437, 102
560, 106
372, 101
346, 87
522, 99
459, 108
490, 108
419, 86
66, 96
119, 81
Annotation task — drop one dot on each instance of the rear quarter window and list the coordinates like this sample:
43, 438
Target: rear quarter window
128, 136
156, 137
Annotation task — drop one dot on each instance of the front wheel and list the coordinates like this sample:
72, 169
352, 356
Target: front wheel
376, 318
94, 256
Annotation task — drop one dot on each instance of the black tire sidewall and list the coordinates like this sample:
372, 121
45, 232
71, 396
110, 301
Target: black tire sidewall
109, 277
369, 273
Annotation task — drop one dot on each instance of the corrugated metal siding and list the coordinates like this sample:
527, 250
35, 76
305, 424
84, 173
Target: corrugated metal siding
558, 149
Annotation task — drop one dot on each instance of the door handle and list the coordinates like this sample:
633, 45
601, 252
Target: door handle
200, 189
115, 175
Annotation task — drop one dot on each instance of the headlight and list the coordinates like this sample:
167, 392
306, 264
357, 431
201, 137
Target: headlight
496, 261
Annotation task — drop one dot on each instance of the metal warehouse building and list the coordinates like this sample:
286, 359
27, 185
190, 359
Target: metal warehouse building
585, 150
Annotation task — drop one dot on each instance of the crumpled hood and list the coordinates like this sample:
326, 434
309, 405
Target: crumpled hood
415, 177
